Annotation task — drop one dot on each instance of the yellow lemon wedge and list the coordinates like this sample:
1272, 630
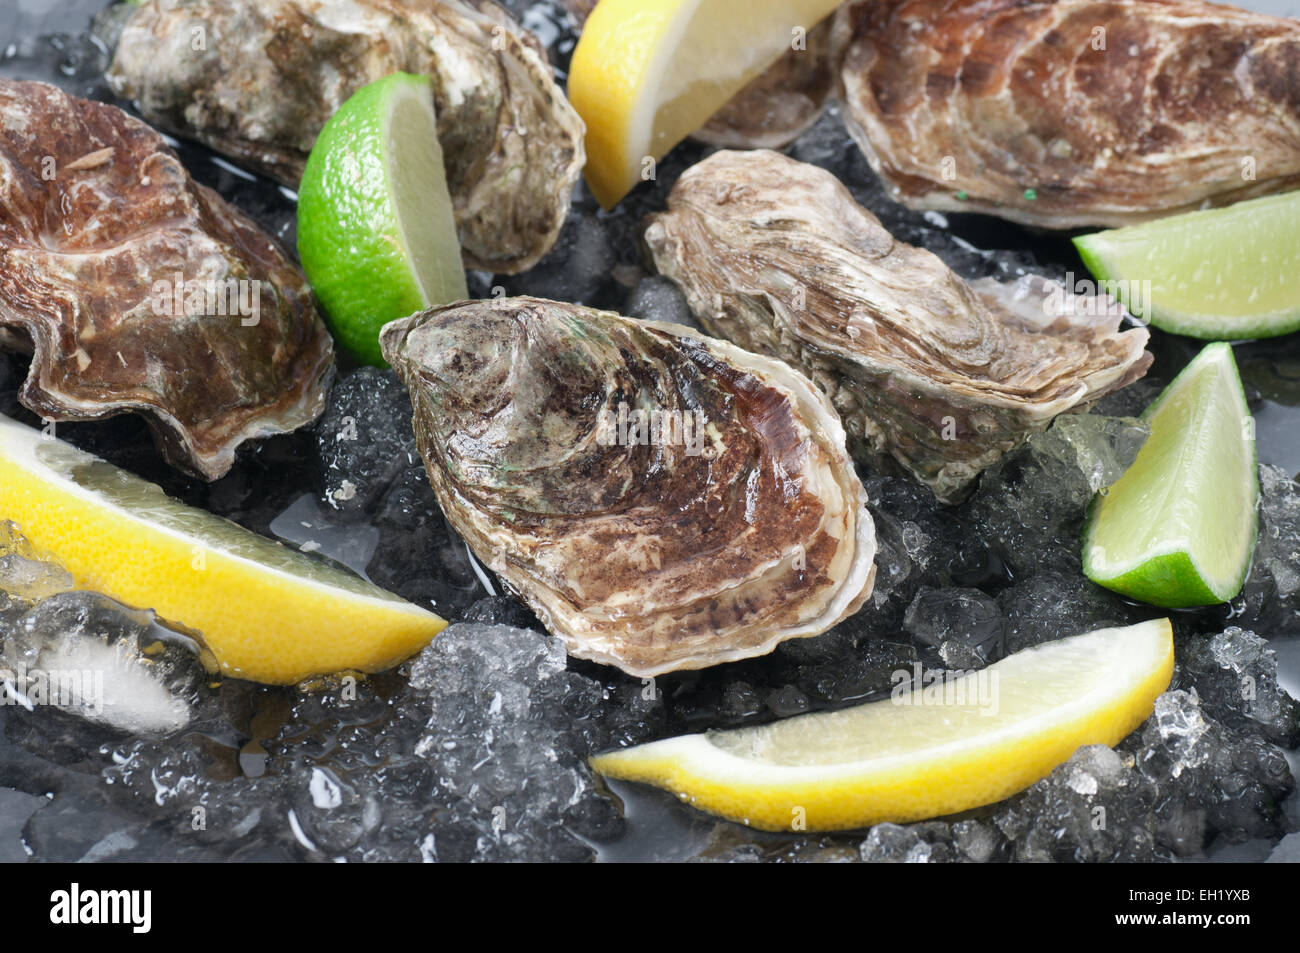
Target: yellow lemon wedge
268, 613
648, 73
928, 750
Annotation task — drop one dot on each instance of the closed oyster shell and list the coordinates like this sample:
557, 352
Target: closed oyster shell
1077, 112
257, 81
943, 376
100, 225
716, 538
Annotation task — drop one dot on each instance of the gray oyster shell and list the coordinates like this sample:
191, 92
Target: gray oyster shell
100, 227
1077, 112
943, 376
732, 521
257, 81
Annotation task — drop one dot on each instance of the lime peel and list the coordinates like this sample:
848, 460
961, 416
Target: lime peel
1215, 274
376, 231
1178, 529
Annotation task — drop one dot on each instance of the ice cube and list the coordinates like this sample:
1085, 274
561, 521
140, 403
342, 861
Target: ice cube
32, 579
1094, 807
1182, 728
1270, 600
312, 528
1053, 605
505, 736
959, 619
913, 844
1031, 506
85, 654
365, 441
24, 575
1236, 678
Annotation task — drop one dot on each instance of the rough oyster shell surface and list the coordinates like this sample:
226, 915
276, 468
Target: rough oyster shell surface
942, 375
139, 290
257, 81
1073, 112
662, 500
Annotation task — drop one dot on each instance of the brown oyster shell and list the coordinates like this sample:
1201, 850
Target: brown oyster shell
671, 554
943, 376
1009, 107
271, 73
94, 211
778, 105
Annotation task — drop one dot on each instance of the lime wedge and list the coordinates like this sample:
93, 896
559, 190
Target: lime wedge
925, 752
1178, 528
376, 233
268, 613
1219, 274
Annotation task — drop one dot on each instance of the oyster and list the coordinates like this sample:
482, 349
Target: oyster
1077, 112
778, 105
257, 81
662, 500
942, 375
138, 289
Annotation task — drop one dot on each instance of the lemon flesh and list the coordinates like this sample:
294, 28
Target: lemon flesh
1219, 274
974, 741
376, 232
1178, 528
648, 73
268, 613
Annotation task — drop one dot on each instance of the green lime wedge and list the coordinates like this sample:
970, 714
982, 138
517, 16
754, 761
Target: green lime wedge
376, 233
1178, 528
1220, 274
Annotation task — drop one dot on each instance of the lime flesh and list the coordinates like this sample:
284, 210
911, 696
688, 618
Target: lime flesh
1220, 274
1178, 528
376, 233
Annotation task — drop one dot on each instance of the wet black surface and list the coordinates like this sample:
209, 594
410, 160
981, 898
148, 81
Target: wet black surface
366, 772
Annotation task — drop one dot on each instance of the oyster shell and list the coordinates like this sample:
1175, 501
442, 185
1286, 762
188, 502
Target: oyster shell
778, 105
138, 289
257, 81
942, 375
662, 500
1078, 112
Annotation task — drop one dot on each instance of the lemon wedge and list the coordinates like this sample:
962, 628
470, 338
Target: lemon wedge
268, 613
926, 751
648, 73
